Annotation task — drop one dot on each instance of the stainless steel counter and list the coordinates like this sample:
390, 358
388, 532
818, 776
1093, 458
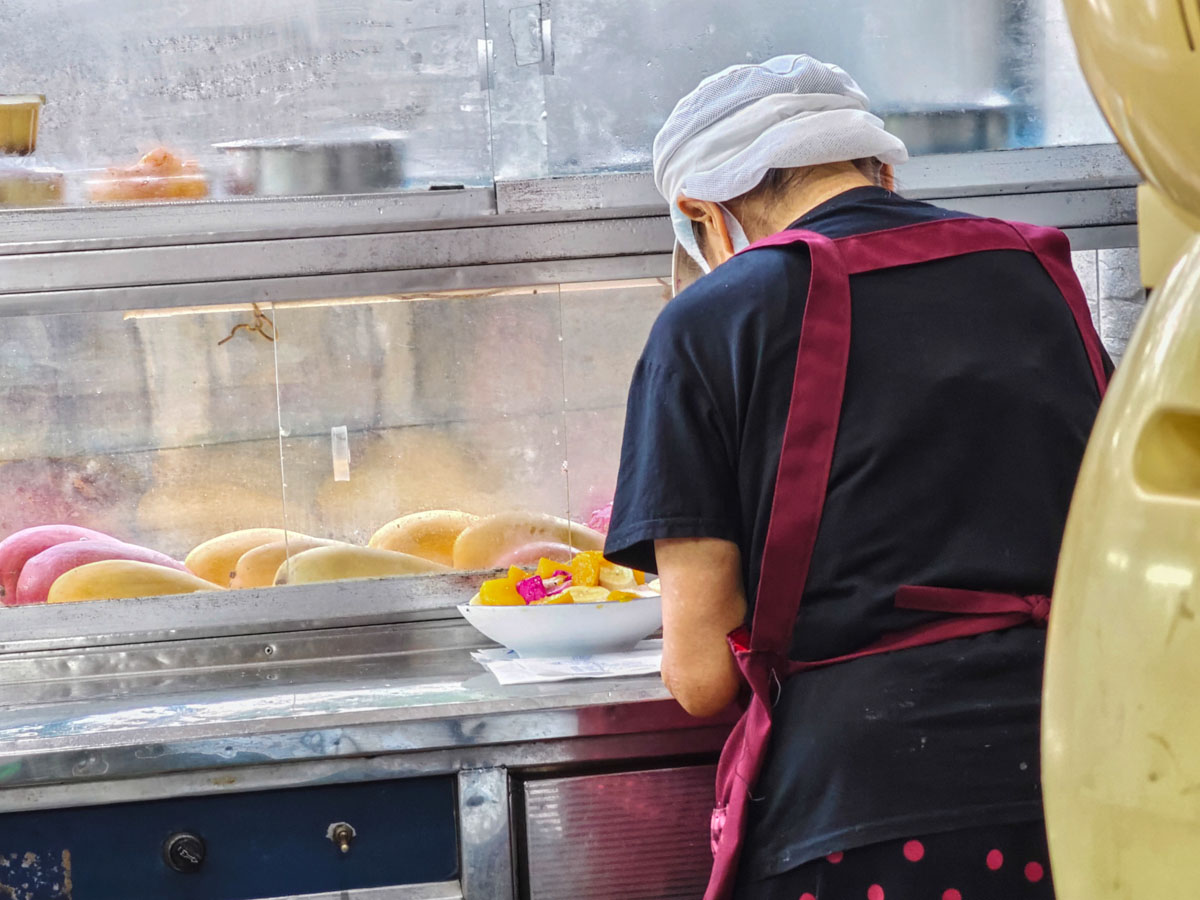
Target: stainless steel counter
408, 697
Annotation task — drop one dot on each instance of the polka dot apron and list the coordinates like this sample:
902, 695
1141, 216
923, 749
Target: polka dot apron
1008, 862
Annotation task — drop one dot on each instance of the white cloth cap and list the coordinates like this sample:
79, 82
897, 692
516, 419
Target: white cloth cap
789, 112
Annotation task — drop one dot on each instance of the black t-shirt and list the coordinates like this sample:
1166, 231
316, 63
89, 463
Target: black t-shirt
968, 403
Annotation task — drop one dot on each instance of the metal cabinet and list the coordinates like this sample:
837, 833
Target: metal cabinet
640, 835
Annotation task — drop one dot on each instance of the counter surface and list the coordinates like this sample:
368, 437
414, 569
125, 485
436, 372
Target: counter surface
106, 713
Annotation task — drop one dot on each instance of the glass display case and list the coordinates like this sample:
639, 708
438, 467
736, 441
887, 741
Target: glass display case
324, 419
409, 252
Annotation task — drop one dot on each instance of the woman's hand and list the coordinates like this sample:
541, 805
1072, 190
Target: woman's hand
703, 600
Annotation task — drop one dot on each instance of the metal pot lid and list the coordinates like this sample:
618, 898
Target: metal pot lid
342, 137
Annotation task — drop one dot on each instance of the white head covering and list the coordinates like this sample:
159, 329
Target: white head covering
789, 112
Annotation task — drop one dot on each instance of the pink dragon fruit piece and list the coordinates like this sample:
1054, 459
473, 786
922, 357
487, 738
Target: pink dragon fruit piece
532, 589
601, 518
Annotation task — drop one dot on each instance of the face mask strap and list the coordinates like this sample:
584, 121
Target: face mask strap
682, 226
737, 234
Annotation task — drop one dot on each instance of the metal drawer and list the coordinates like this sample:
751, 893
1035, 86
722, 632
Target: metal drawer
252, 845
630, 835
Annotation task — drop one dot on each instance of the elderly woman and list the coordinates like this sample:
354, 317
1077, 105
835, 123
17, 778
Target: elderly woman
849, 454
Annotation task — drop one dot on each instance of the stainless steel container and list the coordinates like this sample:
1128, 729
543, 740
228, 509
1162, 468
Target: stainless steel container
360, 163
957, 128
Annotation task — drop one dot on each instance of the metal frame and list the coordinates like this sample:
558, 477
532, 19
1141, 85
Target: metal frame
76, 716
940, 176
55, 747
608, 226
486, 834
215, 264
673, 738
65, 229
292, 608
444, 890
487, 841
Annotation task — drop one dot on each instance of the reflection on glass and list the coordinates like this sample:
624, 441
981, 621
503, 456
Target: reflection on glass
146, 429
448, 403
947, 77
321, 440
306, 97
301, 97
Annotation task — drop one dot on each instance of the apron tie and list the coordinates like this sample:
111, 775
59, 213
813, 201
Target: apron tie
1034, 608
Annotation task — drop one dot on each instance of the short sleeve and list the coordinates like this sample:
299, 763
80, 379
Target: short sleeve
676, 478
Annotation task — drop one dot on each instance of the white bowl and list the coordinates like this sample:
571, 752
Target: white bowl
568, 629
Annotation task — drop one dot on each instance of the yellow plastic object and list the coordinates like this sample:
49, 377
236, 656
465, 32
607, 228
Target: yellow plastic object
1164, 232
1120, 729
1121, 726
19, 115
1142, 61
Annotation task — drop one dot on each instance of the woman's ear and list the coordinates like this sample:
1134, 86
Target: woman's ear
718, 245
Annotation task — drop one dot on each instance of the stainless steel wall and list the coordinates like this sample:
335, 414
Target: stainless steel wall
1113, 283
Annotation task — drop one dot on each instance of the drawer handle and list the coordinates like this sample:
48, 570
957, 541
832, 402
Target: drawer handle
341, 833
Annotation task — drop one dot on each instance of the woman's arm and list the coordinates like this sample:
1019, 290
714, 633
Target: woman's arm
703, 600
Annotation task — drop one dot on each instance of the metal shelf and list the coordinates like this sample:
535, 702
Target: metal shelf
607, 226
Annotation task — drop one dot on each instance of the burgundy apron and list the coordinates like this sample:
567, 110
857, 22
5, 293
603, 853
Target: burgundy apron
804, 466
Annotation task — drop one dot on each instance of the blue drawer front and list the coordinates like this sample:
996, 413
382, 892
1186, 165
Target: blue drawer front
263, 844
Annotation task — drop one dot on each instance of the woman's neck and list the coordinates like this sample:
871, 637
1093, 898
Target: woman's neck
822, 183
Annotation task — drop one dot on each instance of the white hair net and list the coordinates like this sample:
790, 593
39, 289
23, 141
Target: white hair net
789, 112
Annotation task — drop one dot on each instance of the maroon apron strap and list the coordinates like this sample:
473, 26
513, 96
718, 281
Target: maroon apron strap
974, 612
1053, 251
809, 436
929, 241
805, 460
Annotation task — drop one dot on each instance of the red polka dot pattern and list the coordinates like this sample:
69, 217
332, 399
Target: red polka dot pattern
914, 851
875, 892
1034, 872
952, 894
995, 860
835, 858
